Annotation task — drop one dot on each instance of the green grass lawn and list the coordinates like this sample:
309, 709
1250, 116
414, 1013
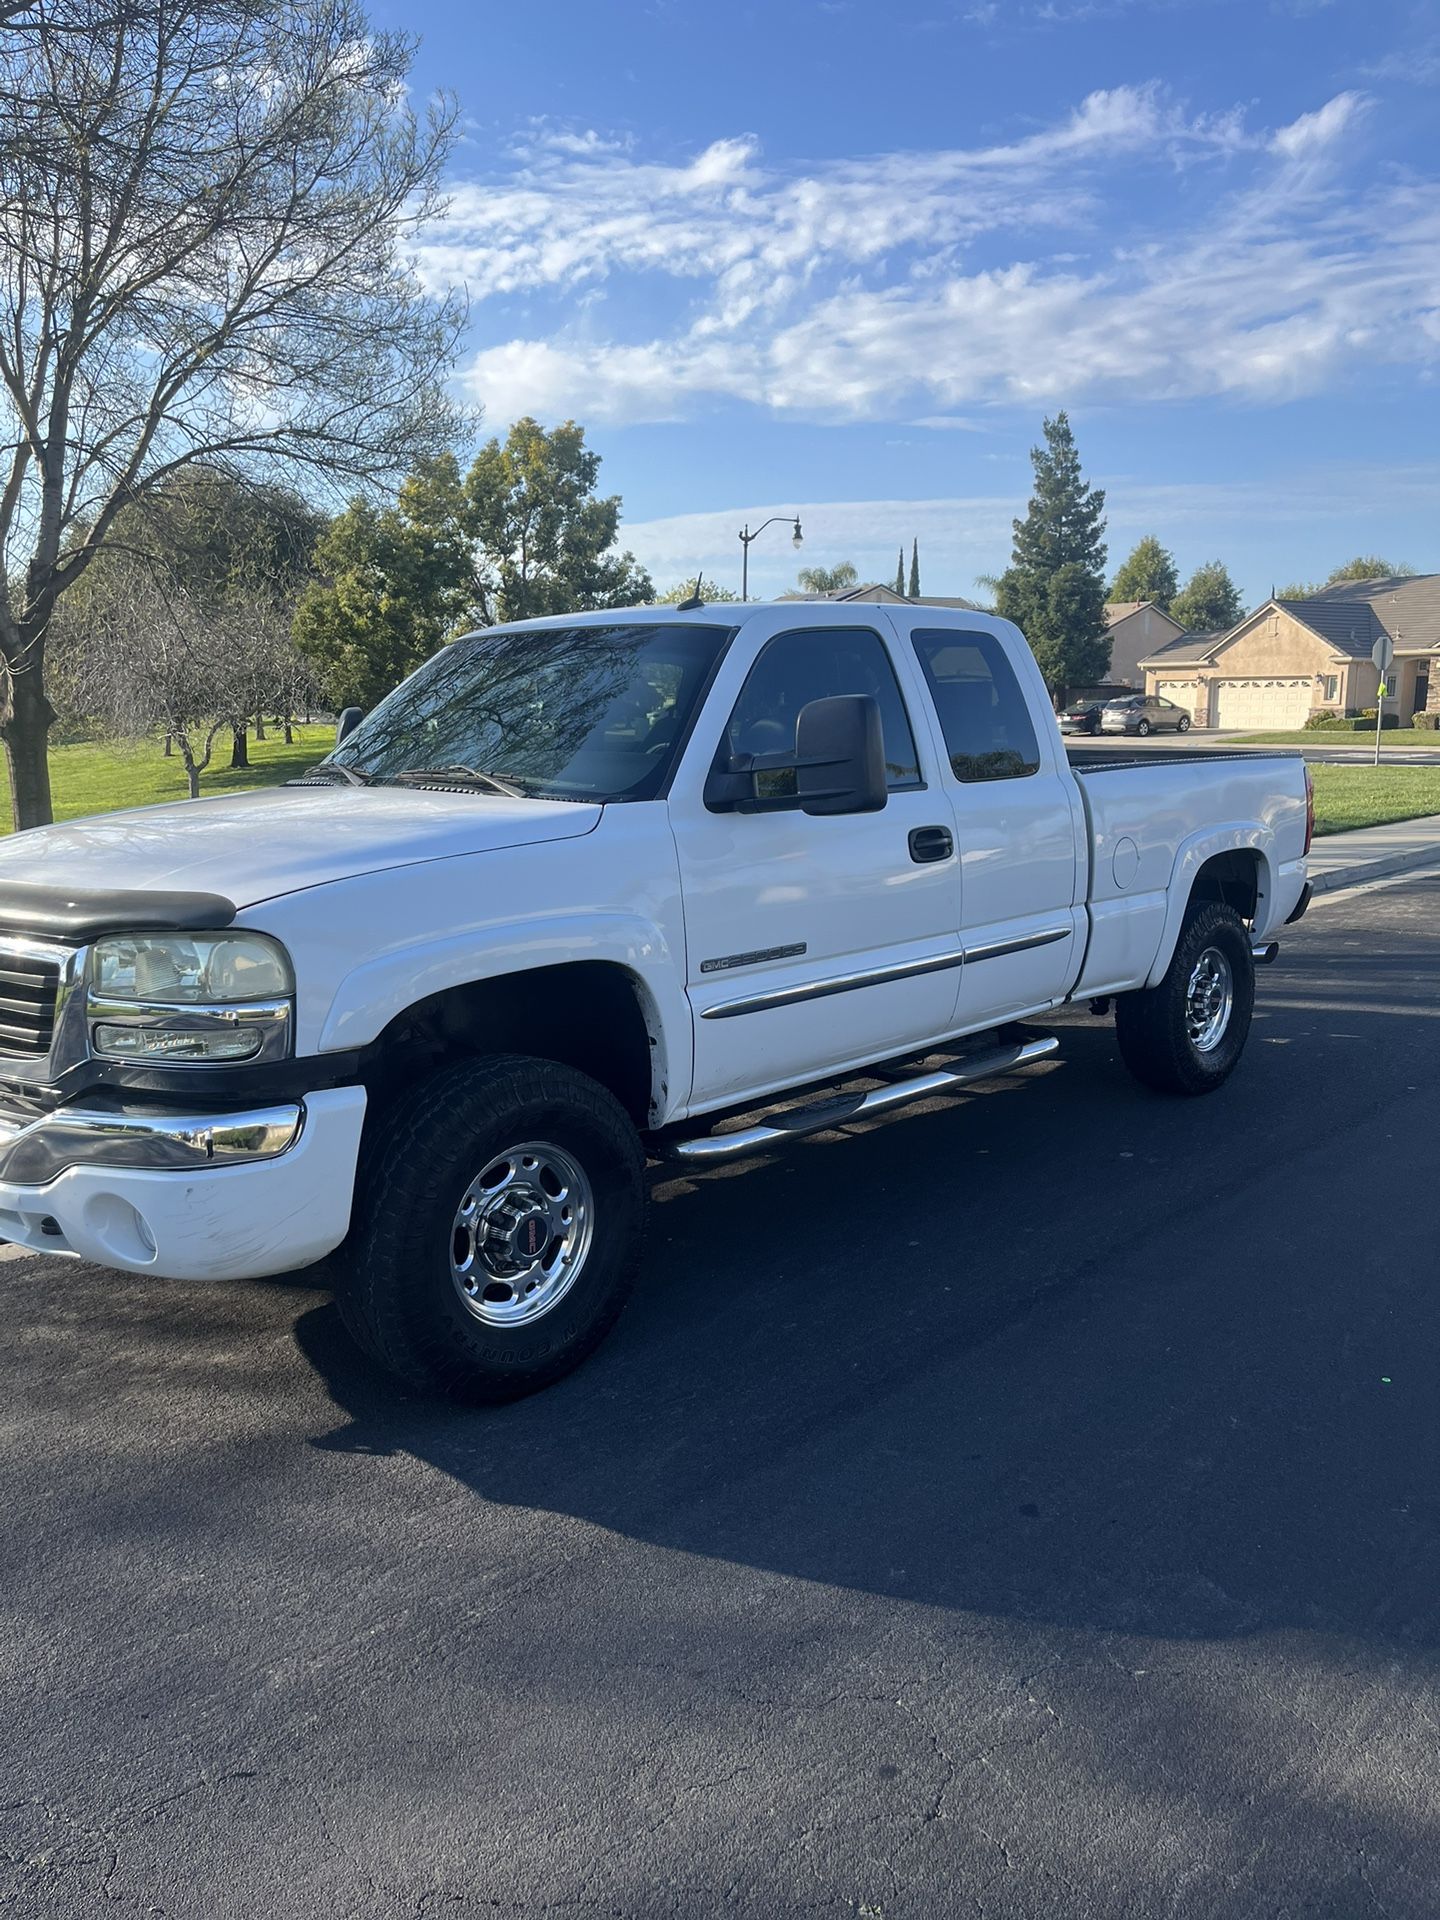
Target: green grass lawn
1342, 737
96, 778
1347, 797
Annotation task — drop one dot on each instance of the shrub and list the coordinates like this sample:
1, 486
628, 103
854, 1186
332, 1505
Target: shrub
1326, 717
1427, 722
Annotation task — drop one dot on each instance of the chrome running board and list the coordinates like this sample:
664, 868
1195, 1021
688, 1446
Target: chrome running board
840, 1107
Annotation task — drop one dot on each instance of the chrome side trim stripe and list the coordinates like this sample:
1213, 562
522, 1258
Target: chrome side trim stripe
879, 976
840, 983
998, 948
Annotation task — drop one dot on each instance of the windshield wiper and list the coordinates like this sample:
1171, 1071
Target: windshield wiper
350, 775
457, 774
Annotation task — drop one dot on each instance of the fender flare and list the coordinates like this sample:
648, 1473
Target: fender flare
375, 993
1191, 856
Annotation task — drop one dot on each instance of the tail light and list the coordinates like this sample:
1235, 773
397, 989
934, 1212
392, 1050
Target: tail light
1309, 807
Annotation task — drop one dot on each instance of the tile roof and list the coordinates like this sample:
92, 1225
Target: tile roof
1407, 606
1186, 650
1348, 625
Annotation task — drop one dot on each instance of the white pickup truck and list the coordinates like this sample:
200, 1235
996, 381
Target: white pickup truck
582, 892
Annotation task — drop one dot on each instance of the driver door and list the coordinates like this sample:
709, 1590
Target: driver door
813, 943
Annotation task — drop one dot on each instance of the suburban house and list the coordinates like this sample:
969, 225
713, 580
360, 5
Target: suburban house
1137, 629
888, 595
1292, 658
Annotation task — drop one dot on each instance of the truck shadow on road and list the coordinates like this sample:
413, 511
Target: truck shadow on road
1065, 1351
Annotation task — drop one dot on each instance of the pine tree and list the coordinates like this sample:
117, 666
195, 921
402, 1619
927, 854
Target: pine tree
1054, 587
1148, 574
900, 574
914, 569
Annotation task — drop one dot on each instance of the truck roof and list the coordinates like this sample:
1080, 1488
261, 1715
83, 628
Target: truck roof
797, 613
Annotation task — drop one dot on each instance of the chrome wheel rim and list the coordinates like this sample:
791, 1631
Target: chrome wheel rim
1208, 1000
521, 1234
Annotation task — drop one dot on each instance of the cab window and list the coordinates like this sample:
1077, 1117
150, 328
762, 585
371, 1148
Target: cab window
989, 734
796, 668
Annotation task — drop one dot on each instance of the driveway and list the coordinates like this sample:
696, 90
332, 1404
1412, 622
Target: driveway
1031, 1508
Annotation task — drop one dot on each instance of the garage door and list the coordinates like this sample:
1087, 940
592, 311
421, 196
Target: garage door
1263, 703
1182, 692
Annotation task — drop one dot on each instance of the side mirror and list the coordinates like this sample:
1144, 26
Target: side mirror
840, 755
350, 718
837, 764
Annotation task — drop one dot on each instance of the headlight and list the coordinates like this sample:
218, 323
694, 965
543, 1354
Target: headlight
197, 998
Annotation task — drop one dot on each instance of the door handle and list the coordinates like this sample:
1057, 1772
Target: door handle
930, 843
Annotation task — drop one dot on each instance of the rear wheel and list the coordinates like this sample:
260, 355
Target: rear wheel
1186, 1035
498, 1229
1143, 728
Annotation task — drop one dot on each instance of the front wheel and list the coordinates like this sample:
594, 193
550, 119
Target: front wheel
1186, 1035
1184, 725
498, 1229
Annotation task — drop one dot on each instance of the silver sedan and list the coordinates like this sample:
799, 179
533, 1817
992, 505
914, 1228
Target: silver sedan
1143, 713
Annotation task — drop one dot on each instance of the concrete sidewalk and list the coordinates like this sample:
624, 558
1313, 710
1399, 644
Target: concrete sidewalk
1370, 853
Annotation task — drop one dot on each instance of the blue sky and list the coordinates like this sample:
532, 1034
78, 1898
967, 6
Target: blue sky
842, 258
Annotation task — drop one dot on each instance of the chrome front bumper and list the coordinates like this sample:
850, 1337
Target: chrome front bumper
36, 1151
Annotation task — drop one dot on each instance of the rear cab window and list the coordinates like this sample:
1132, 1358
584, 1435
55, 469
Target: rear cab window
983, 713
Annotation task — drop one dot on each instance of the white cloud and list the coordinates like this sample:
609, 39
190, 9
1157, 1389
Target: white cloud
1288, 522
850, 291
1314, 132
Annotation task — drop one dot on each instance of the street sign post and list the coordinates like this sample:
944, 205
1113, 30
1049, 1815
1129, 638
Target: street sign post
1382, 653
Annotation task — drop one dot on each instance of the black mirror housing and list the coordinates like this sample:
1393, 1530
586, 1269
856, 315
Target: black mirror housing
350, 718
840, 755
838, 763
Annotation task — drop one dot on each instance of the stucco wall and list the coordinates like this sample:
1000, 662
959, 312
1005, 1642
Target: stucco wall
1133, 638
1278, 647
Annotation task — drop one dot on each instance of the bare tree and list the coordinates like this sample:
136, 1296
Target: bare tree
203, 211
147, 656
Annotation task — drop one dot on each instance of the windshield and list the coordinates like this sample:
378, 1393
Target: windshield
576, 713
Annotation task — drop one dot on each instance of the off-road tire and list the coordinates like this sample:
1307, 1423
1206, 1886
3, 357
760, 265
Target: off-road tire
395, 1287
1155, 1041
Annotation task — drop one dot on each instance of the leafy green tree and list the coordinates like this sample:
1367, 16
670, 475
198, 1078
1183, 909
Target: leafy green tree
523, 533
710, 591
1209, 602
1054, 587
394, 581
829, 579
543, 539
914, 569
1148, 573
1369, 566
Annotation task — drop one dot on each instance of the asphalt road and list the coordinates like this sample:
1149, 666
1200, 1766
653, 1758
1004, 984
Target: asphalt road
1358, 752
1030, 1507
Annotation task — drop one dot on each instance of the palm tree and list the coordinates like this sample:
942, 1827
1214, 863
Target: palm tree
829, 579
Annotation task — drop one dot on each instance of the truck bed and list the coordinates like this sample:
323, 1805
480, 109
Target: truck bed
1154, 817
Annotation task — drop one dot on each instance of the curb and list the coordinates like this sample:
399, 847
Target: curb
1354, 875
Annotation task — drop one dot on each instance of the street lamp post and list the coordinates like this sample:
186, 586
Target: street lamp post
746, 536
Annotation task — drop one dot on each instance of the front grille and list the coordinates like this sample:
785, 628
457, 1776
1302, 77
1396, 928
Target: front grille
29, 996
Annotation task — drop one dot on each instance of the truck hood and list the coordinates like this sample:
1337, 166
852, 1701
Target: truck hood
249, 847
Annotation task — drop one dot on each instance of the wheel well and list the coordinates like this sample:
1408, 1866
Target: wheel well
586, 1014
1232, 879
